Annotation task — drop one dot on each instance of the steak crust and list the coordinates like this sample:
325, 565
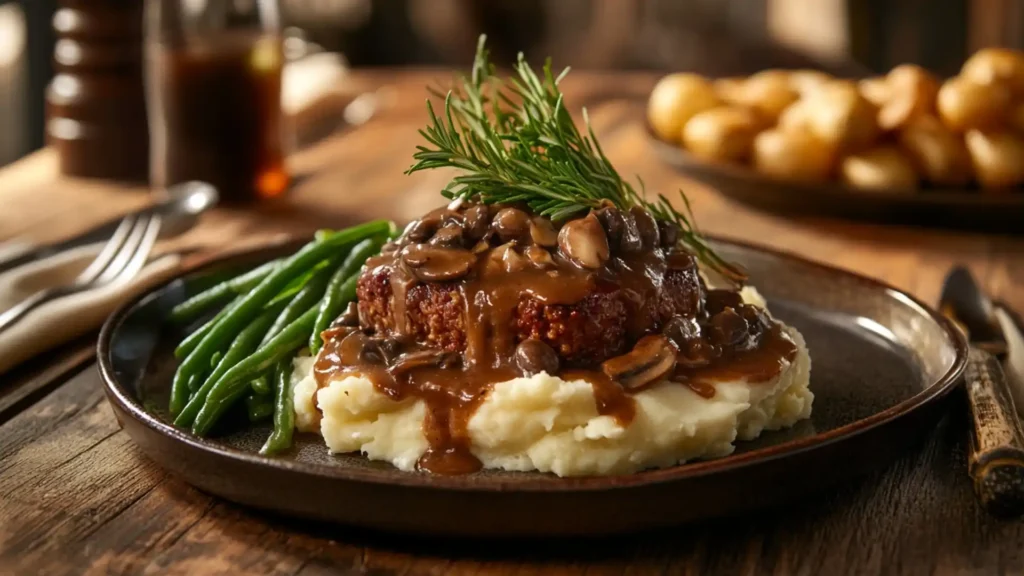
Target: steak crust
602, 325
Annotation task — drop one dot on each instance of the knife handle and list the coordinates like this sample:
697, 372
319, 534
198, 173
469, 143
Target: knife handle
996, 456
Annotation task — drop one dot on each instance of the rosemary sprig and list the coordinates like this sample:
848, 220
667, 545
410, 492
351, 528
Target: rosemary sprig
515, 141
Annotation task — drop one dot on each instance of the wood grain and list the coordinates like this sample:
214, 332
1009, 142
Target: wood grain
77, 497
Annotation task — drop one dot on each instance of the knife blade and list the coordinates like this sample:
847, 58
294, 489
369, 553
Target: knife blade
996, 452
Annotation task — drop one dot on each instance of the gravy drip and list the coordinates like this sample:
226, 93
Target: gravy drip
453, 384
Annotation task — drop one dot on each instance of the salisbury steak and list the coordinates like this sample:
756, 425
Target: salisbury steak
604, 324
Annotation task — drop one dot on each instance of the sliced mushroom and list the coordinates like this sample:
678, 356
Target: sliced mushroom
646, 225
669, 232
513, 260
358, 348
584, 241
421, 230
449, 236
681, 330
350, 317
680, 260
533, 356
630, 242
511, 223
611, 219
543, 232
433, 264
419, 359
653, 358
539, 257
728, 328
477, 219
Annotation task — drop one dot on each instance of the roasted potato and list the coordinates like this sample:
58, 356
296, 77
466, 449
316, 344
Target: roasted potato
792, 155
839, 116
806, 81
722, 134
729, 90
675, 99
996, 66
964, 104
938, 153
769, 92
1016, 119
795, 117
883, 167
998, 158
875, 90
911, 92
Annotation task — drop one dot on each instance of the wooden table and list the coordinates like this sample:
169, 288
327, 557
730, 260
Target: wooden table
77, 497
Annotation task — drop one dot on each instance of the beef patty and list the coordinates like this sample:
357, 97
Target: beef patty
603, 324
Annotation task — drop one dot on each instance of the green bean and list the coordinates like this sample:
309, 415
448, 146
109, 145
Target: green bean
332, 305
235, 382
220, 294
192, 340
214, 360
243, 345
259, 406
284, 411
308, 296
250, 305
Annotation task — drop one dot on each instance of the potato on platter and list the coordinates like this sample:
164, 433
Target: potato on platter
876, 90
912, 92
998, 158
996, 66
841, 117
1016, 119
675, 99
729, 90
796, 117
806, 81
792, 155
724, 134
768, 92
883, 167
939, 153
964, 104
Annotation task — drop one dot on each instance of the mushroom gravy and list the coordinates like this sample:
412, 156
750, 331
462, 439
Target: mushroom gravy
492, 259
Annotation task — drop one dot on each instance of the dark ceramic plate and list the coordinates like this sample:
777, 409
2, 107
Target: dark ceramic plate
964, 209
882, 362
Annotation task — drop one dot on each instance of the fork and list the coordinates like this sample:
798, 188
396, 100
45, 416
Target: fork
120, 260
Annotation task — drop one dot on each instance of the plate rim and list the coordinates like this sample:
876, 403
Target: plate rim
119, 394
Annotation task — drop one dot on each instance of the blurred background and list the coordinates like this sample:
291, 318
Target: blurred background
713, 37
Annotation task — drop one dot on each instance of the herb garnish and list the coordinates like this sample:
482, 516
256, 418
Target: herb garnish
516, 142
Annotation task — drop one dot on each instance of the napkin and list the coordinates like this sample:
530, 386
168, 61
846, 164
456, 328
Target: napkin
64, 319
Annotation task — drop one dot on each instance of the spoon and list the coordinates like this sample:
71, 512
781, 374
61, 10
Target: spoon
179, 208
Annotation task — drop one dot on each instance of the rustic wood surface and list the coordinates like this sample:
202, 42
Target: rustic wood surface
77, 497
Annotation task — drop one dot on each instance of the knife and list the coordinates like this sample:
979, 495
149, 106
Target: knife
996, 453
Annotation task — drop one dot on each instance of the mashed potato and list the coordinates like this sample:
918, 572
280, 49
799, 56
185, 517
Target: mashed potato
548, 424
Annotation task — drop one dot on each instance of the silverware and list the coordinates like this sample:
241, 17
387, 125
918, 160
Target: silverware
120, 260
996, 454
179, 209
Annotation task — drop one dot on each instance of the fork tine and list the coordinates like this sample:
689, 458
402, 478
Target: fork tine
125, 253
138, 259
107, 253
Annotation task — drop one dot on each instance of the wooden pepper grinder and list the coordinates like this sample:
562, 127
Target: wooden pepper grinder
95, 104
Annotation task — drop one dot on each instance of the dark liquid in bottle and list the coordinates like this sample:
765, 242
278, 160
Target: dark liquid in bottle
220, 105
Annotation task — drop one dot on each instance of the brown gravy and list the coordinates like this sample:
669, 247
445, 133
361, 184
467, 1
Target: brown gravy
453, 384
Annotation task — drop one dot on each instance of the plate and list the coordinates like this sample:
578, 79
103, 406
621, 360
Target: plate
963, 209
882, 363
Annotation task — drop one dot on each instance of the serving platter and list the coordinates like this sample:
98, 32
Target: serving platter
882, 363
954, 208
